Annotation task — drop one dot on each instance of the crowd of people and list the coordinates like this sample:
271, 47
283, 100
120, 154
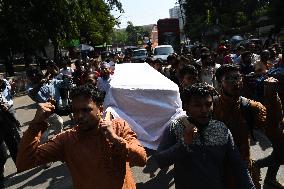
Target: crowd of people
246, 87
226, 93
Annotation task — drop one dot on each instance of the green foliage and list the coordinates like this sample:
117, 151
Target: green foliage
135, 33
226, 14
118, 37
27, 25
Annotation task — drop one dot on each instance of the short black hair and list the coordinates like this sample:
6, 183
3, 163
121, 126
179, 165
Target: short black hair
77, 63
224, 69
205, 55
159, 61
197, 90
188, 69
89, 91
149, 60
240, 48
171, 57
50, 63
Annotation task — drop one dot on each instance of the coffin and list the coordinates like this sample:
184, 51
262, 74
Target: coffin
144, 98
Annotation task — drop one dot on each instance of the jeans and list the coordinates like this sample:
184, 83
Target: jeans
56, 123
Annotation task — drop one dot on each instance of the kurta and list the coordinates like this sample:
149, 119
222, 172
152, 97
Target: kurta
92, 160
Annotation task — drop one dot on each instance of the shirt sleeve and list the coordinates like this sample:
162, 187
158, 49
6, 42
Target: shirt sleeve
7, 84
41, 95
128, 145
169, 150
237, 165
274, 114
31, 153
259, 113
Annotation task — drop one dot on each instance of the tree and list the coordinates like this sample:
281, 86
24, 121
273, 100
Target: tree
227, 14
118, 37
27, 25
277, 14
135, 33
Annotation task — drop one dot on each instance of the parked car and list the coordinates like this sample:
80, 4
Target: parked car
139, 55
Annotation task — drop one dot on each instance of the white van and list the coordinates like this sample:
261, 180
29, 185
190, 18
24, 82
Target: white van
163, 51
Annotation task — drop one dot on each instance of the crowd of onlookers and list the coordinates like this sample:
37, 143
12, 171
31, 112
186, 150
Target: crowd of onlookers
226, 93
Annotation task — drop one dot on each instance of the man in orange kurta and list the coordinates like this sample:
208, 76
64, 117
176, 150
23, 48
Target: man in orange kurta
97, 152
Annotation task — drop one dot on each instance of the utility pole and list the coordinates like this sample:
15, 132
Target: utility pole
180, 2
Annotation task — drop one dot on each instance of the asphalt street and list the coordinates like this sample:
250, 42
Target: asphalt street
57, 176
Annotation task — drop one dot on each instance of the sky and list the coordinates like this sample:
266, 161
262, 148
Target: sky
144, 12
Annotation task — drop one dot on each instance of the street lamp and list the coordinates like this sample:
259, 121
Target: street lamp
181, 4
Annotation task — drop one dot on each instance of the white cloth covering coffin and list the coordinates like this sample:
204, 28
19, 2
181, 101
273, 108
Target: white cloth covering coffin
146, 99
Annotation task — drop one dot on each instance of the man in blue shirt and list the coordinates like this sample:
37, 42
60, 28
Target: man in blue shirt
43, 90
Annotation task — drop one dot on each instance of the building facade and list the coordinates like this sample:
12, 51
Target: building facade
178, 12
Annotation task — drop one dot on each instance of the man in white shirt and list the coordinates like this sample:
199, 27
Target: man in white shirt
66, 70
103, 83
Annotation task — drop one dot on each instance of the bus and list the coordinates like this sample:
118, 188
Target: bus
169, 33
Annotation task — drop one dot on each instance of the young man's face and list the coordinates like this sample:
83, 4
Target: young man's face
92, 79
105, 72
199, 109
188, 80
158, 66
232, 83
86, 112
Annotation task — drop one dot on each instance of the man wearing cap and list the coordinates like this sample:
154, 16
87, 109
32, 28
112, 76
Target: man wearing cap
103, 82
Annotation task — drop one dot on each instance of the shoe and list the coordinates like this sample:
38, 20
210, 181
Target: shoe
274, 183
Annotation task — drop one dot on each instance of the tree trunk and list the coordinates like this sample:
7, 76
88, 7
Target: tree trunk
27, 60
9, 69
56, 52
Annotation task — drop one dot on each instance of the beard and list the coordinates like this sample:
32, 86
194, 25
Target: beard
234, 92
87, 125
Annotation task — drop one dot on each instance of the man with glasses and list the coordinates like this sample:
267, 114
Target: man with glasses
239, 114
